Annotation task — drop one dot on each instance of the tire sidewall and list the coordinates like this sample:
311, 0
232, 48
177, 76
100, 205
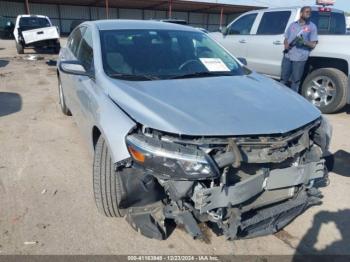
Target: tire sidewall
334, 76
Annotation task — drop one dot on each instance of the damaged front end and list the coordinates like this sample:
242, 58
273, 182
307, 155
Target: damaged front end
243, 186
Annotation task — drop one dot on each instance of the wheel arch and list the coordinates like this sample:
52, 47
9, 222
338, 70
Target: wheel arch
325, 62
96, 133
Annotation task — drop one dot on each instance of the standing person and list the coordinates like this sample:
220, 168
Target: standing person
300, 38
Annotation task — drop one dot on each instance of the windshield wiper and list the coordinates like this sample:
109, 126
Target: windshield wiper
202, 74
133, 77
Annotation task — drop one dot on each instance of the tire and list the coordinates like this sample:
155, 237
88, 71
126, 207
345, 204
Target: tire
65, 110
57, 48
20, 49
326, 88
106, 182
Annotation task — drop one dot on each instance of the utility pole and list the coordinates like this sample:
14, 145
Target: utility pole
26, 7
170, 9
107, 9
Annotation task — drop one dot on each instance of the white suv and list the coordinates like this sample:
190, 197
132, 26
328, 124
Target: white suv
258, 37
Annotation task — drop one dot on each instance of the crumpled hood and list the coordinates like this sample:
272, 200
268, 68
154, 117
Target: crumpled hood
214, 106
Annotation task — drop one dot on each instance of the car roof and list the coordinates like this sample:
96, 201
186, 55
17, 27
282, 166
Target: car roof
39, 16
314, 8
121, 24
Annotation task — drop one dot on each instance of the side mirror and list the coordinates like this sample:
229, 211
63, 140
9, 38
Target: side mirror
224, 30
73, 68
242, 60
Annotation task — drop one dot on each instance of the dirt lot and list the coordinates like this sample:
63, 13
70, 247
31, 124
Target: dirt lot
46, 185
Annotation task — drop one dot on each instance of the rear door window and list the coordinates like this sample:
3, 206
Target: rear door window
331, 23
243, 25
274, 23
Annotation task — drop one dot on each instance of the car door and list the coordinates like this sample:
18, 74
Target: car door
85, 86
237, 32
69, 81
265, 46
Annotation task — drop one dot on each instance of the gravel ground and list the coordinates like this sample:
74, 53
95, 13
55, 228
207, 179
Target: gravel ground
46, 201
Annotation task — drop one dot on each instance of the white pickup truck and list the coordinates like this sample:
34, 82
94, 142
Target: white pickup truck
257, 36
35, 31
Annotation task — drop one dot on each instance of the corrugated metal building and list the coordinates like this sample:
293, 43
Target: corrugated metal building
64, 12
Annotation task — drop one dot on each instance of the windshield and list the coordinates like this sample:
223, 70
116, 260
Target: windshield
28, 23
329, 23
164, 54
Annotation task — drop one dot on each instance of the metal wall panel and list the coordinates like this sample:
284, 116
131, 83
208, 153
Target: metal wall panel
180, 15
130, 13
155, 14
74, 12
214, 19
98, 13
66, 26
113, 13
197, 18
11, 9
41, 9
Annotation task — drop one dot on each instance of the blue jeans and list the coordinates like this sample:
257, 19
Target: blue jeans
292, 70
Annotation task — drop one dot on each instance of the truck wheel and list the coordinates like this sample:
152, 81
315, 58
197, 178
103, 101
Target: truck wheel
326, 88
20, 49
65, 110
57, 48
106, 182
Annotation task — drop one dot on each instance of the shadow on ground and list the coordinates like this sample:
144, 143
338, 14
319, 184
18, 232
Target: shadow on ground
10, 103
339, 163
3, 63
338, 247
346, 110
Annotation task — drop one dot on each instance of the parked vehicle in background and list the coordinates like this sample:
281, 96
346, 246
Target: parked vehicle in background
182, 132
258, 37
174, 21
6, 27
36, 31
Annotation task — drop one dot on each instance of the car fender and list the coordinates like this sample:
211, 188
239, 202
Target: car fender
113, 125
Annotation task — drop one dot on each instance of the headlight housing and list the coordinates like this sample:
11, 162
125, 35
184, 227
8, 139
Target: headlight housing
170, 160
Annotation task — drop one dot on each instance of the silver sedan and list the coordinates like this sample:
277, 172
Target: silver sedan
183, 133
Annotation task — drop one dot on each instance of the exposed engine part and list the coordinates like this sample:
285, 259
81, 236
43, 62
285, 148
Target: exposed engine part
185, 218
246, 186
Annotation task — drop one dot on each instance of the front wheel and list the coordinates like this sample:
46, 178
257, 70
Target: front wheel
327, 89
65, 110
20, 49
106, 182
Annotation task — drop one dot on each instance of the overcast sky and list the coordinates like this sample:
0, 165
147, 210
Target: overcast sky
340, 4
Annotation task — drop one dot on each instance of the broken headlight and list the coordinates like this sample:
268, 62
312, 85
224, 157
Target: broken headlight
170, 160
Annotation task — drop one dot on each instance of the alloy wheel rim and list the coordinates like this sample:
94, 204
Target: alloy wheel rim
321, 91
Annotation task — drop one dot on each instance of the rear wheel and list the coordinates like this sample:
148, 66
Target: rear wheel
106, 182
20, 49
65, 110
327, 89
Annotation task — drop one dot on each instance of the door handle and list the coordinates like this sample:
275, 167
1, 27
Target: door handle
242, 41
277, 42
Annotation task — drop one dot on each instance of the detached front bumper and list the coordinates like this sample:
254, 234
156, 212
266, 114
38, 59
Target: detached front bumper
222, 196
